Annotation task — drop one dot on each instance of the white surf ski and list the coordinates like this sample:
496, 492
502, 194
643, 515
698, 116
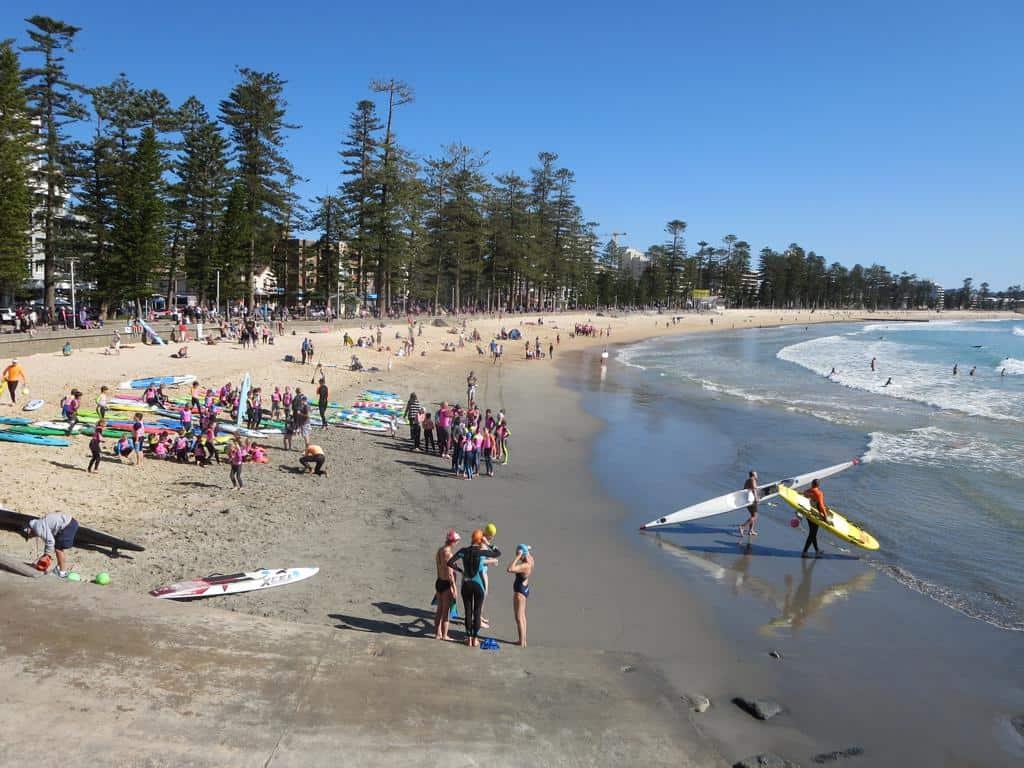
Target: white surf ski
730, 502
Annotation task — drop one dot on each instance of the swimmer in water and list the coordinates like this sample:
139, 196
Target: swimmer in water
973, 370
956, 368
873, 360
831, 373
888, 382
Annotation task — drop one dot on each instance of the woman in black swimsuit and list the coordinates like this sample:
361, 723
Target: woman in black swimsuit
522, 567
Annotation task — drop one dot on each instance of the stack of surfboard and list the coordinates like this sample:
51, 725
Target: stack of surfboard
375, 410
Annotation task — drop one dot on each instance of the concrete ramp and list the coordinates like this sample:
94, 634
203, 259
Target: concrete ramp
115, 679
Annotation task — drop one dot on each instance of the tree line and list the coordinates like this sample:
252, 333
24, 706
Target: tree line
157, 191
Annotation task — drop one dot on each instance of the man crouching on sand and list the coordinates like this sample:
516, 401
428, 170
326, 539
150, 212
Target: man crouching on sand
314, 455
58, 534
444, 587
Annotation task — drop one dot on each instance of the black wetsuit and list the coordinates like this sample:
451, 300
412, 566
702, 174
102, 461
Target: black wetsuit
812, 536
473, 590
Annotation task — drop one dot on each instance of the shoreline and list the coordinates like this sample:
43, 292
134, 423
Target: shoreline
849, 637
374, 523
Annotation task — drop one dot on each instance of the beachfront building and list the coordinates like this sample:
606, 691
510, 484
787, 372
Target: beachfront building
33, 285
303, 271
633, 261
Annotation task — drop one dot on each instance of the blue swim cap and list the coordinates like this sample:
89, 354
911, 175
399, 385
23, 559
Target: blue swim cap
522, 549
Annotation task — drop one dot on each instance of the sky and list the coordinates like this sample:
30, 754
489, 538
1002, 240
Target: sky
886, 132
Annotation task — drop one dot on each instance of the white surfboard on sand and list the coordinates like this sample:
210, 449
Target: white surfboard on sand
33, 405
220, 584
739, 499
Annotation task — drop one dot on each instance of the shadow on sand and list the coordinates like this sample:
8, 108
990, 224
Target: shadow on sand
418, 622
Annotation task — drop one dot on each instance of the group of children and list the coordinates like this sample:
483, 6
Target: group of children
468, 436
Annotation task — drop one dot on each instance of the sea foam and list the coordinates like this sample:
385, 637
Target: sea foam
914, 380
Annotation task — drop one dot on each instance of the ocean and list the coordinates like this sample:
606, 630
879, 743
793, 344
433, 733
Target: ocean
940, 485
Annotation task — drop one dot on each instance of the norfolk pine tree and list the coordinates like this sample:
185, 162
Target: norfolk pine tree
16, 152
53, 99
255, 115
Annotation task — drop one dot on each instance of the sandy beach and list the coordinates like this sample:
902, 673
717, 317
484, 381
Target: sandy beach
372, 525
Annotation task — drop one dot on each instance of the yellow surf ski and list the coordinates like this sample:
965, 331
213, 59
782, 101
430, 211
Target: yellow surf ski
836, 523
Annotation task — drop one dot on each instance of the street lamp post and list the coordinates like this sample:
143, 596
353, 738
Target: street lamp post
74, 308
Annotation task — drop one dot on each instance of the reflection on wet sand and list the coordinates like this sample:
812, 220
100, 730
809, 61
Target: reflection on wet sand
795, 606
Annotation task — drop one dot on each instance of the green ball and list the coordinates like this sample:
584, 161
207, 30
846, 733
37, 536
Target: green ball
74, 576
103, 578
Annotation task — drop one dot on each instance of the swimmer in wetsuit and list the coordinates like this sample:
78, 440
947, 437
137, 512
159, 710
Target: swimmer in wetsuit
474, 559
444, 587
522, 567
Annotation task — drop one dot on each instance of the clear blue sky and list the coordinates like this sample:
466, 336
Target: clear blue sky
867, 131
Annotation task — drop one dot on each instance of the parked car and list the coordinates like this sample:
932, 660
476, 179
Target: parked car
8, 316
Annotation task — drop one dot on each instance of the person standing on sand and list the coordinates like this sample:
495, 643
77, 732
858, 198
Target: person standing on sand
475, 559
471, 387
14, 375
95, 446
414, 414
444, 586
322, 398
236, 455
138, 438
522, 567
429, 446
751, 486
817, 497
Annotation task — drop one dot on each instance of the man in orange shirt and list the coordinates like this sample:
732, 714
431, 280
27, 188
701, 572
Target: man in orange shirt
13, 374
817, 497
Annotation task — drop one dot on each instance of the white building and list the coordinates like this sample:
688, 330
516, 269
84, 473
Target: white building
635, 261
37, 227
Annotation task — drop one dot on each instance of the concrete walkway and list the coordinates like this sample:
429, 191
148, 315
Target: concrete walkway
95, 676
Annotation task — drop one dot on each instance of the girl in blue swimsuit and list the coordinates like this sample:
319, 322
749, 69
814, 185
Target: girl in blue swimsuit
522, 567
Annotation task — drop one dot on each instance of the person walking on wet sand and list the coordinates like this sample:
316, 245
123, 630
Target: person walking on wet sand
751, 486
817, 497
444, 586
522, 567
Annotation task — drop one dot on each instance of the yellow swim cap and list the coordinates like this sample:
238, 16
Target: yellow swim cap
491, 530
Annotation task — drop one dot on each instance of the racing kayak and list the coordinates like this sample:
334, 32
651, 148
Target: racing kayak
739, 499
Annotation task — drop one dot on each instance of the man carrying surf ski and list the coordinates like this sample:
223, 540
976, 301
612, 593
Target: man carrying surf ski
817, 497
